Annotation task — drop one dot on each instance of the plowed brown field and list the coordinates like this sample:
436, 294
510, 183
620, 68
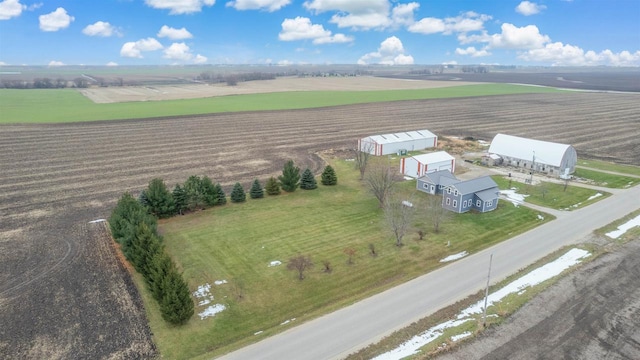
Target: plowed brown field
62, 292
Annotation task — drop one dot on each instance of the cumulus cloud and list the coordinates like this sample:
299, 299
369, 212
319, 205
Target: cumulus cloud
54, 63
364, 14
558, 54
174, 34
473, 52
268, 5
301, 28
467, 22
100, 28
56, 20
177, 7
178, 51
511, 37
200, 59
11, 8
390, 52
111, 63
528, 8
135, 49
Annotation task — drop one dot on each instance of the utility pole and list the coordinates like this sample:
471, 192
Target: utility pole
533, 166
486, 294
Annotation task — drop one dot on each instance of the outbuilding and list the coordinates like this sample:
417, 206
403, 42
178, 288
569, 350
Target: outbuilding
535, 155
418, 165
398, 142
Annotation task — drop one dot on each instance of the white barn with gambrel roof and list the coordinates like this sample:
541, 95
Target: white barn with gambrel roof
535, 155
393, 143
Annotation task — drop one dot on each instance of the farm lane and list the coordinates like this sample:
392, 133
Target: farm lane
345, 331
55, 178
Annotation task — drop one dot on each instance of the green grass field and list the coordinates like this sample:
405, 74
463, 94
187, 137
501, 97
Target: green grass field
553, 195
237, 242
609, 166
605, 179
68, 105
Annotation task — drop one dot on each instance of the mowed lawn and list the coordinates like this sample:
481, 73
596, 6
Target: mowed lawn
238, 242
68, 105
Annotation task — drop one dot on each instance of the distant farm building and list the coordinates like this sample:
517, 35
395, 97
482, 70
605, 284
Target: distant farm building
418, 165
535, 155
433, 183
398, 142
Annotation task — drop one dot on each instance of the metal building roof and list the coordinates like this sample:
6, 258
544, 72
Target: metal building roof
522, 148
433, 157
402, 136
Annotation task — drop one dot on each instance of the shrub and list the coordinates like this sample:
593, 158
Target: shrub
237, 194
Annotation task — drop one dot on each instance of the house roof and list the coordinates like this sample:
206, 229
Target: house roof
522, 148
440, 177
402, 136
475, 185
433, 157
486, 195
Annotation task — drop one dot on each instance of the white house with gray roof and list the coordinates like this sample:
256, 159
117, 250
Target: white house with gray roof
480, 194
535, 155
393, 143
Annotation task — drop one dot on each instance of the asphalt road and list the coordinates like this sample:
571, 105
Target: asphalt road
345, 331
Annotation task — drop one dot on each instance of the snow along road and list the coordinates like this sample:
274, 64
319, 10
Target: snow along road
347, 330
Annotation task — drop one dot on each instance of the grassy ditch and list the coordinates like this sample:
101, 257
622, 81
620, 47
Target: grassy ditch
552, 195
238, 242
609, 166
606, 180
68, 105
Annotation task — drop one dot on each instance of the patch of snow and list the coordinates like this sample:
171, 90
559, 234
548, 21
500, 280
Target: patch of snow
211, 311
257, 332
349, 159
408, 178
220, 282
275, 263
203, 291
594, 196
287, 321
455, 256
624, 227
461, 336
543, 273
97, 221
512, 196
540, 217
407, 203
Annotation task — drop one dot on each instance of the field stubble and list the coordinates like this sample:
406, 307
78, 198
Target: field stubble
62, 290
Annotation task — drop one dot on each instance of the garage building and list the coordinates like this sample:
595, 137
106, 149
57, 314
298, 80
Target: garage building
418, 165
535, 155
397, 142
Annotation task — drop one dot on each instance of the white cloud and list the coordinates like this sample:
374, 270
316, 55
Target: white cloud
301, 28
200, 59
403, 13
53, 63
178, 51
174, 34
528, 8
285, 62
558, 54
390, 52
268, 5
177, 7
135, 49
473, 52
100, 28
469, 21
2, 63
364, 14
11, 8
56, 20
511, 37
111, 63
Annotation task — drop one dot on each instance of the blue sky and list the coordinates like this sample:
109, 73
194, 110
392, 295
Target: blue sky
164, 32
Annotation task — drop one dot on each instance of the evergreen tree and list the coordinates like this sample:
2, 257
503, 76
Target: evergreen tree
272, 186
209, 193
159, 268
124, 220
159, 199
144, 247
179, 198
142, 198
256, 190
329, 176
176, 306
192, 187
308, 181
221, 197
290, 178
237, 194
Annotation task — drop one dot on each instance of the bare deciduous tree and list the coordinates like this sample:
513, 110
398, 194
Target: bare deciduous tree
399, 216
300, 263
361, 157
435, 212
380, 179
351, 252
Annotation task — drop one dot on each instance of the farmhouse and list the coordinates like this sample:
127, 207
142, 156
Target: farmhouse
433, 182
479, 194
393, 143
535, 155
418, 165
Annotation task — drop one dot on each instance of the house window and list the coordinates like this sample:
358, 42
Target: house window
448, 201
478, 203
489, 203
449, 191
426, 186
455, 203
455, 193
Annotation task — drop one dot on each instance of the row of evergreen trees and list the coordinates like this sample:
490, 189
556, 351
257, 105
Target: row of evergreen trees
135, 229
